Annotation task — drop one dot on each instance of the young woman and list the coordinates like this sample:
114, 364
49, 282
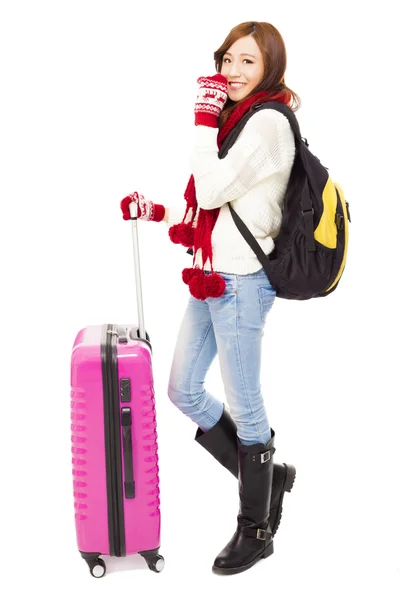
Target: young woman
230, 294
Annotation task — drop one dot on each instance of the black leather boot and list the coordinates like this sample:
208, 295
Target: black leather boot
221, 443
252, 539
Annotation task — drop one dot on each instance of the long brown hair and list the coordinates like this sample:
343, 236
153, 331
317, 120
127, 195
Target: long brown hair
273, 50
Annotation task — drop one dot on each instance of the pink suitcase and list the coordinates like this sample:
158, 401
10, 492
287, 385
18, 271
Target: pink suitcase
114, 441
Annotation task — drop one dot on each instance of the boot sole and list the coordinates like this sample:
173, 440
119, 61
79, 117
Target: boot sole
233, 570
287, 487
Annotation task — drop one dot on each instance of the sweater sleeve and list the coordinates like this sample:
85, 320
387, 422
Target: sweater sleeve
258, 153
176, 213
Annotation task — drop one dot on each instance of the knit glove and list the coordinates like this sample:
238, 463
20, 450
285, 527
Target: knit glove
211, 97
146, 209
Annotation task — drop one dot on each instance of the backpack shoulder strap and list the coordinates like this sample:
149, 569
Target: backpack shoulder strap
279, 106
307, 208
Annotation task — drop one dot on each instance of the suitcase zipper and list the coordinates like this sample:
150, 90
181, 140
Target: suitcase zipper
115, 504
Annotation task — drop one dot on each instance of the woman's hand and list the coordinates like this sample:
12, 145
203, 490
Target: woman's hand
146, 209
211, 97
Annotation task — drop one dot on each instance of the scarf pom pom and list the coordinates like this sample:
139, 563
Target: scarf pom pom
203, 286
214, 285
187, 275
197, 285
183, 233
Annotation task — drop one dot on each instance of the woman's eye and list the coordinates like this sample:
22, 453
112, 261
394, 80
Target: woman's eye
251, 62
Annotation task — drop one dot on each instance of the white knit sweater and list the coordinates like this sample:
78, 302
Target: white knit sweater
253, 177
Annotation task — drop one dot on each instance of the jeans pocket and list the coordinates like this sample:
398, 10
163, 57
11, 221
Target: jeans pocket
266, 296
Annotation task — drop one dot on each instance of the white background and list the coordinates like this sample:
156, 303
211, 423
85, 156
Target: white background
97, 101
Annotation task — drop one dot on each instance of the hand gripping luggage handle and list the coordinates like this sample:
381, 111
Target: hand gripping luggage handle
139, 298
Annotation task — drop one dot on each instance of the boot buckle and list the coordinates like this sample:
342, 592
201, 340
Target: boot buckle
265, 456
261, 534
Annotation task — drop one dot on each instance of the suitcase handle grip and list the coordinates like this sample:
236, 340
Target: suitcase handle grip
129, 482
122, 334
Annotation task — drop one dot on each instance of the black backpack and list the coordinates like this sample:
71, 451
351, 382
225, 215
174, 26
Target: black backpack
311, 247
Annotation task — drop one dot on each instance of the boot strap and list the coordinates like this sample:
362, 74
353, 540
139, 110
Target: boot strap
260, 534
264, 456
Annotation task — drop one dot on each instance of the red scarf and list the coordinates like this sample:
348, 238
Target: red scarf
202, 286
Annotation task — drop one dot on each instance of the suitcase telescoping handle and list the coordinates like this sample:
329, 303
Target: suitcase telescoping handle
139, 298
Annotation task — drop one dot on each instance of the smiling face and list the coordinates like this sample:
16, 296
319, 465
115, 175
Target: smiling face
243, 67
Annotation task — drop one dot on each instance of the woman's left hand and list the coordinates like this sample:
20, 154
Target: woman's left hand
211, 97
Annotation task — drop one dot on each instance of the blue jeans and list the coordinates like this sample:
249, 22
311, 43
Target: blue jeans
231, 325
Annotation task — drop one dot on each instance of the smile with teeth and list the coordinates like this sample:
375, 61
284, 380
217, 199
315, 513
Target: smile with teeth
236, 85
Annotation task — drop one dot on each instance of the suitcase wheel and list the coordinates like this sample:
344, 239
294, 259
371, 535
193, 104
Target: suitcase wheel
95, 563
156, 563
97, 568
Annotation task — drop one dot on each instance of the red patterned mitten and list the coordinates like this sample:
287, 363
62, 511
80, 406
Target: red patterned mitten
210, 100
146, 209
